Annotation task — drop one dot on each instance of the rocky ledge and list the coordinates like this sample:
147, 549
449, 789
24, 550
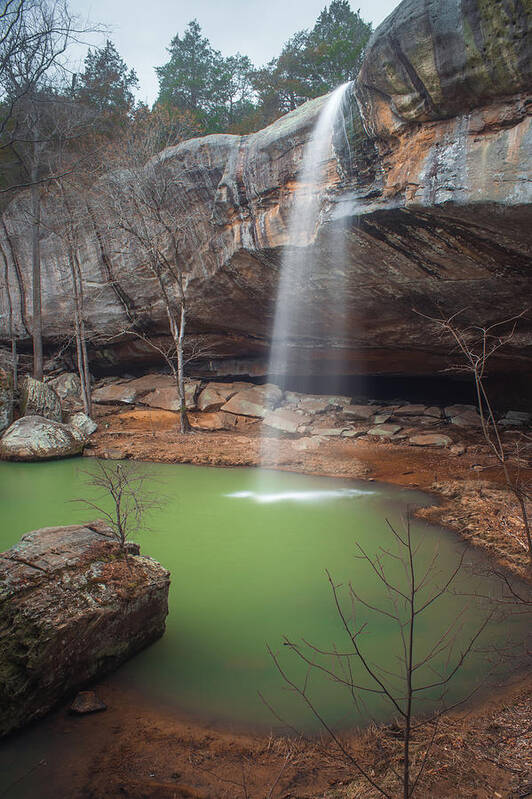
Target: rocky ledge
70, 611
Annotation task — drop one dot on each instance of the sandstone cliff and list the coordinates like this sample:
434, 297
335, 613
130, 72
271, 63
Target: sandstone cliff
428, 194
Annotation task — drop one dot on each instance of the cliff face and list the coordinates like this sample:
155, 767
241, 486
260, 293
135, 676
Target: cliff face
425, 206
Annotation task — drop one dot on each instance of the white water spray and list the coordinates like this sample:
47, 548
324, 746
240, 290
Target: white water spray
293, 316
294, 329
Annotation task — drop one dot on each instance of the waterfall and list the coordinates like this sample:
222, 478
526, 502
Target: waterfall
294, 328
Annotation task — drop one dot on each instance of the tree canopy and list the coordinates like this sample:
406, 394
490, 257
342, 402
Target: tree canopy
229, 94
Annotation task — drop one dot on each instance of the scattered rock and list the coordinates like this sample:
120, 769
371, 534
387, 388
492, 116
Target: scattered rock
430, 440
457, 410
6, 399
82, 425
165, 398
33, 438
469, 418
362, 412
218, 420
285, 420
457, 449
71, 611
66, 386
381, 418
385, 430
307, 443
434, 411
39, 399
257, 401
411, 410
353, 433
326, 431
214, 395
516, 419
115, 394
86, 702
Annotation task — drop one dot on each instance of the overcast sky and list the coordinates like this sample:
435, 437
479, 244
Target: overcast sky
141, 31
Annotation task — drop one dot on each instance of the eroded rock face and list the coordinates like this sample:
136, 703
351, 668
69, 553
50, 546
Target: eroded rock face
6, 399
430, 200
71, 611
40, 399
33, 438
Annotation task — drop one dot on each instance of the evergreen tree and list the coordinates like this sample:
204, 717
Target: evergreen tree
106, 83
186, 80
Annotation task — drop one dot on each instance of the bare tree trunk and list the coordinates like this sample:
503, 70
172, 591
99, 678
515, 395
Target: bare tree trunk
36, 275
81, 343
14, 357
185, 424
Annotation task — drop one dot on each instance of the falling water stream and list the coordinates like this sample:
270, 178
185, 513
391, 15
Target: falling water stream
295, 327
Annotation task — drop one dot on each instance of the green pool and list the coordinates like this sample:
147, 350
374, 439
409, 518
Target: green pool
248, 551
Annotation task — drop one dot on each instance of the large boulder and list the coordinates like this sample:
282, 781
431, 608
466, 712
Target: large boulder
6, 399
39, 399
71, 611
33, 438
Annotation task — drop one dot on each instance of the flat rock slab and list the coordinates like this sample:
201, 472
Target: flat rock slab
257, 401
166, 399
33, 438
214, 395
71, 611
286, 420
217, 420
385, 430
467, 419
362, 412
430, 440
411, 410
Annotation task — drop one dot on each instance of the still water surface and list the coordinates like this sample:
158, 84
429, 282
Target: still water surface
247, 559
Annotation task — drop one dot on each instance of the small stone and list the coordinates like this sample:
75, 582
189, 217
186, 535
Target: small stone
430, 440
519, 416
385, 430
352, 433
327, 431
457, 449
82, 425
381, 418
86, 702
434, 411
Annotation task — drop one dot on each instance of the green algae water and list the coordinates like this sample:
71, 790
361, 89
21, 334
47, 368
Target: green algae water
248, 553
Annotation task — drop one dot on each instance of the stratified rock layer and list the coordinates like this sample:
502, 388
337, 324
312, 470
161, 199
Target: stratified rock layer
425, 206
70, 611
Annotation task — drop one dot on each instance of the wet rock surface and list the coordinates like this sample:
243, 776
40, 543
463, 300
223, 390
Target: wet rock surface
71, 611
6, 399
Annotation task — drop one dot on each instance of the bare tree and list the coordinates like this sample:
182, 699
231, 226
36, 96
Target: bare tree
125, 489
476, 345
415, 682
149, 206
37, 113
